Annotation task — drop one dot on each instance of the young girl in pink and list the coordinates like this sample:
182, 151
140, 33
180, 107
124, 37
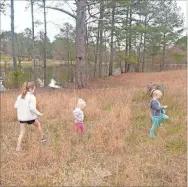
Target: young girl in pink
79, 116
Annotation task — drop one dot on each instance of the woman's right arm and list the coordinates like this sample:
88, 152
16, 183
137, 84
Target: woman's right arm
32, 106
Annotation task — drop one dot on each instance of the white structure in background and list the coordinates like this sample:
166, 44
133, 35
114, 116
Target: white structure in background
41, 83
2, 88
53, 84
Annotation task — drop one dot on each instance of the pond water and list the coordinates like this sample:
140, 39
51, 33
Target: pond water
62, 74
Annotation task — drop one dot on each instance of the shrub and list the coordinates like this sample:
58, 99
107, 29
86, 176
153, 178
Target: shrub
16, 77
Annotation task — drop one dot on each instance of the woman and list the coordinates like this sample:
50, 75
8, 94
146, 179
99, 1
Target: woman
27, 112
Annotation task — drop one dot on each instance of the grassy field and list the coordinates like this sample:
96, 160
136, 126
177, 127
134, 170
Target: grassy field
115, 150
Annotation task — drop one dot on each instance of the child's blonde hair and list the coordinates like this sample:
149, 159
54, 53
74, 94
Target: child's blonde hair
26, 87
157, 93
81, 103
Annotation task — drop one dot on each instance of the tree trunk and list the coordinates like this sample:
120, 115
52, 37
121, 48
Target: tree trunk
143, 62
120, 62
130, 35
152, 62
87, 50
19, 62
127, 43
106, 61
101, 37
68, 56
33, 42
45, 33
164, 43
164, 51
112, 40
139, 53
96, 54
12, 37
81, 77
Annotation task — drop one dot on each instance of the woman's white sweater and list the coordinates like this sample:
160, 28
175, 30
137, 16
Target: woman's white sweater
26, 108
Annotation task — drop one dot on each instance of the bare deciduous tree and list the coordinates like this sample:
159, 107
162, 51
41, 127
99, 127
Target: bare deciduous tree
81, 73
12, 36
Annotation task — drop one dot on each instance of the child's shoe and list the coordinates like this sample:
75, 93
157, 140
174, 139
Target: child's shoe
152, 136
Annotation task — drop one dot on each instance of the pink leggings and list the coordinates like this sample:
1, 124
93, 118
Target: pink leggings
80, 127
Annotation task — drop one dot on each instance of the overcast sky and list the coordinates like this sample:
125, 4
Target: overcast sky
23, 17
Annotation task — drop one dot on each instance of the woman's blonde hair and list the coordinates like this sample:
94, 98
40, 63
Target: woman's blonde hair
81, 102
157, 93
26, 87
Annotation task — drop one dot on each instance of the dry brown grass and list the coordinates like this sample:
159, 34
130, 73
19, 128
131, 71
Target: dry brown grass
115, 149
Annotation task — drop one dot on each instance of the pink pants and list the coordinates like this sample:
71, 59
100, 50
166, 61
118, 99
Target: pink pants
79, 127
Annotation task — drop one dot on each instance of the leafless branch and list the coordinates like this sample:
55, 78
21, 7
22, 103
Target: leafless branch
53, 23
62, 10
92, 21
91, 4
94, 15
70, 7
